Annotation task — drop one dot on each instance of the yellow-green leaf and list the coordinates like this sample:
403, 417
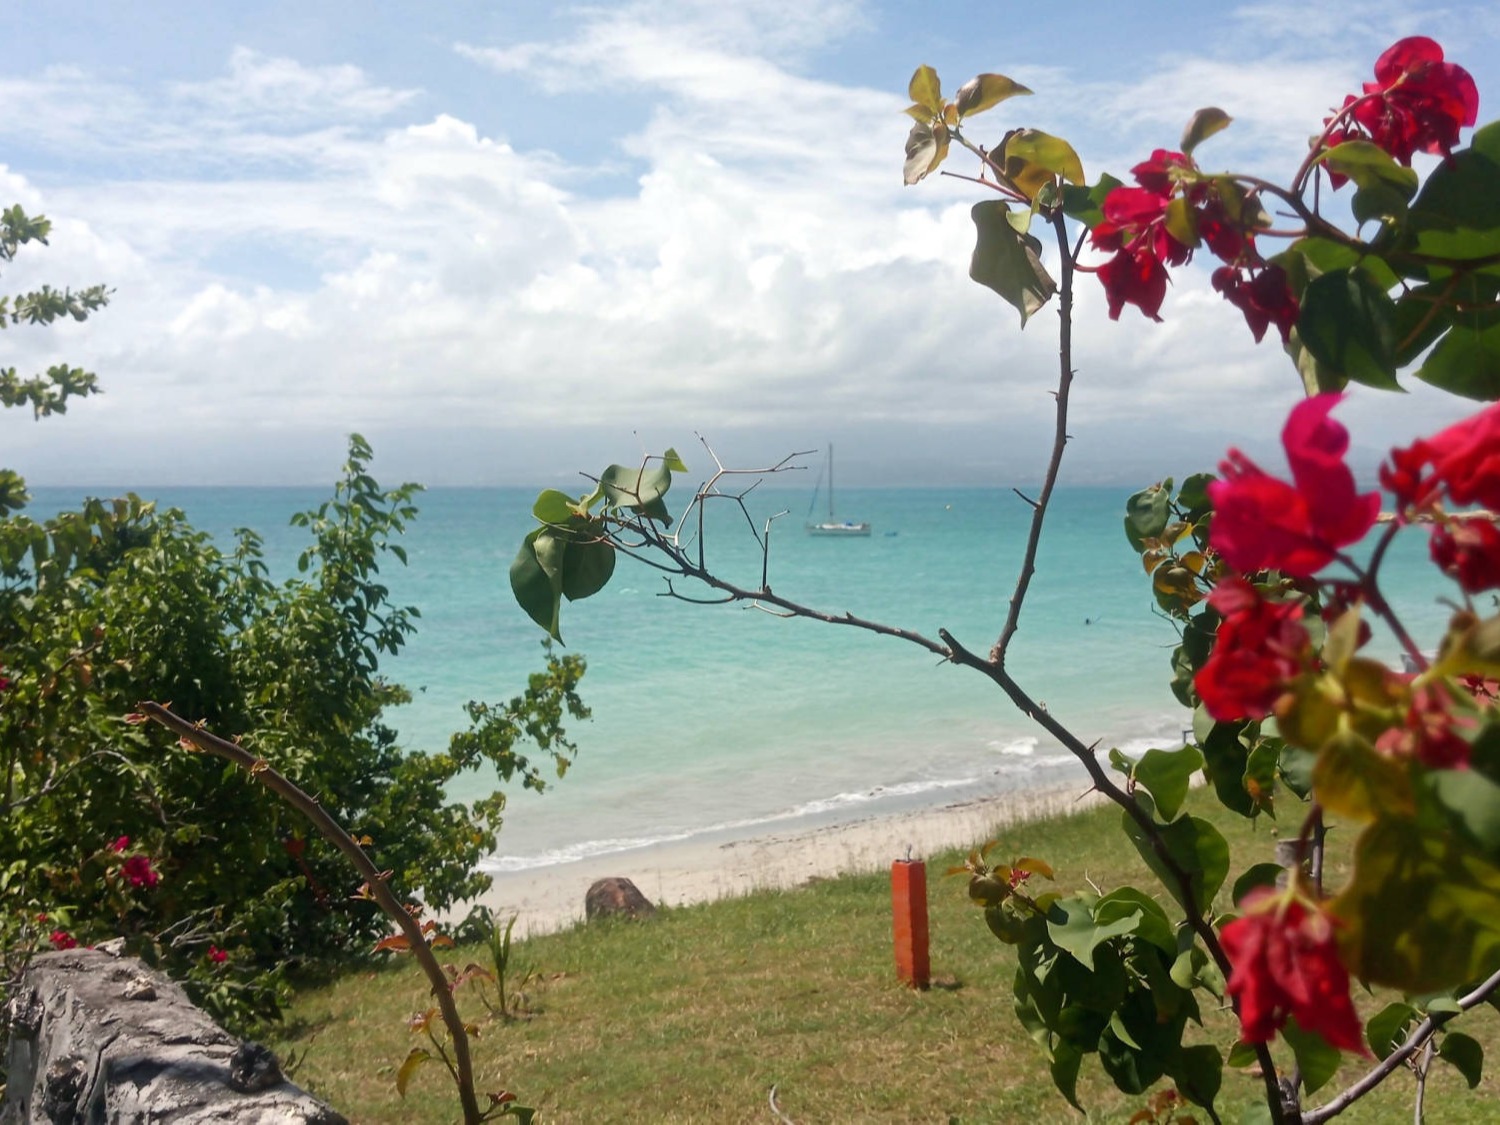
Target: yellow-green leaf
415, 1059
985, 91
1205, 123
926, 90
1350, 778
1181, 222
1033, 158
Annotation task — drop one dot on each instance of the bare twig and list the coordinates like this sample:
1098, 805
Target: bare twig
1416, 1041
259, 770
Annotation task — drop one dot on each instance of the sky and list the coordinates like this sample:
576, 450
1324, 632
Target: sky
510, 241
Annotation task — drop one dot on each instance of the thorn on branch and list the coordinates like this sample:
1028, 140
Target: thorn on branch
1026, 498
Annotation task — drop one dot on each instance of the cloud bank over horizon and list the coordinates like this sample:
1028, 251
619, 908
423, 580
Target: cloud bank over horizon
511, 253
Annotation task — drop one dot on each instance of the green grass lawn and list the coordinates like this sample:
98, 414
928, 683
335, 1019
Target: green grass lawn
695, 1015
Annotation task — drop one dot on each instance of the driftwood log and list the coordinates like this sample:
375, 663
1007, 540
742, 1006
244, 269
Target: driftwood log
93, 1037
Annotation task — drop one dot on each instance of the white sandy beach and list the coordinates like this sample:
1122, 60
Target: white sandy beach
550, 898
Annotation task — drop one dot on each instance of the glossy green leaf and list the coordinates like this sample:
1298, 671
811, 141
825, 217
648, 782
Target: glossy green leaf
1085, 203
1258, 875
1470, 802
1066, 1061
1387, 1029
536, 590
1457, 214
1151, 923
1199, 1073
926, 90
1147, 513
587, 568
1198, 848
1369, 165
1225, 757
1071, 926
1243, 1055
1347, 322
1168, 774
640, 490
1007, 261
553, 506
1464, 1053
1466, 362
1204, 124
985, 91
1317, 1060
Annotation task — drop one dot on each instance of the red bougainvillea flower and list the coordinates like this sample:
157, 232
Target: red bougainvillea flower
61, 939
1261, 522
217, 955
1284, 962
1260, 648
1464, 461
1417, 103
1134, 227
1430, 731
120, 845
1468, 550
1264, 297
138, 871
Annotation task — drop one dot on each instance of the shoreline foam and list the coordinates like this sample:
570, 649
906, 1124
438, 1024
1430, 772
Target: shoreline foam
705, 868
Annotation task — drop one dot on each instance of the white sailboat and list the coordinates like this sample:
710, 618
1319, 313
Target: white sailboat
833, 525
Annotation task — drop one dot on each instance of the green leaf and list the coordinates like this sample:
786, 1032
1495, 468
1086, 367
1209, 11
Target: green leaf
1151, 922
1066, 1060
1086, 203
1470, 801
1242, 1055
1147, 513
1457, 214
1347, 322
1465, 1053
415, 1059
926, 146
1196, 846
1259, 875
1071, 926
536, 590
587, 568
1316, 1058
1387, 1029
553, 506
1466, 362
1007, 261
1225, 757
1369, 165
984, 91
672, 462
1034, 158
1168, 774
1199, 1074
639, 489
925, 89
1205, 123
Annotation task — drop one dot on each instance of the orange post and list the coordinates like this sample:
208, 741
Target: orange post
909, 910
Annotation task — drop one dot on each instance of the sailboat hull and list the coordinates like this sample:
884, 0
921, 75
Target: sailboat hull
845, 529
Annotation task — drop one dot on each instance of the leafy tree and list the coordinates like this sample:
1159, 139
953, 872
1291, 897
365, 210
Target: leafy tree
108, 828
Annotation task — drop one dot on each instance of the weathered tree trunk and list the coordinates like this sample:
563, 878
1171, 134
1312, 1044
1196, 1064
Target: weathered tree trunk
93, 1037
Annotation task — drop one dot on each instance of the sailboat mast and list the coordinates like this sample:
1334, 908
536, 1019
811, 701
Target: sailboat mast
830, 482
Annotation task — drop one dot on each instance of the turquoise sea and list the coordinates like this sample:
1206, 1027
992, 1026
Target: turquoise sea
708, 718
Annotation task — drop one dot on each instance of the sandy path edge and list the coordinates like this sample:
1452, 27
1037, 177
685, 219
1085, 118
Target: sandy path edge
716, 866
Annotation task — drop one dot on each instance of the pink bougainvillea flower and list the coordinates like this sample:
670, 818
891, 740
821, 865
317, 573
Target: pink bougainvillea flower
1285, 963
138, 871
217, 955
120, 845
1264, 297
1134, 227
1468, 550
1429, 731
1261, 522
1418, 102
61, 939
1464, 461
1260, 648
